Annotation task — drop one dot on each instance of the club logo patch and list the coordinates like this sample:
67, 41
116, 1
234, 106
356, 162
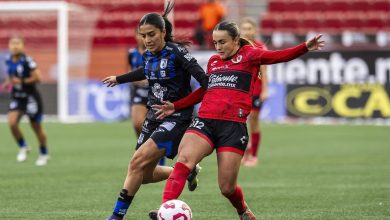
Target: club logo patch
237, 59
163, 63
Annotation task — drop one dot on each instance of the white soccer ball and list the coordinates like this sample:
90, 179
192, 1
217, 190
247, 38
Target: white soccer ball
174, 210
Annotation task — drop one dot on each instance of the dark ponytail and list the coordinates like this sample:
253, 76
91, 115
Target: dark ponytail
232, 29
161, 22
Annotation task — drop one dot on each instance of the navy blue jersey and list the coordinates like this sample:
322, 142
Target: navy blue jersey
21, 69
169, 74
134, 58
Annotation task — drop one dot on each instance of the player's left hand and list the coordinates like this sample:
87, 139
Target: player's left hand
316, 43
166, 109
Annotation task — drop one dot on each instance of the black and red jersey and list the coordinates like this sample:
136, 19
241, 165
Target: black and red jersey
231, 81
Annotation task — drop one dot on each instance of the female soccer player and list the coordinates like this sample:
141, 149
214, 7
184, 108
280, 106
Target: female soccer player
221, 124
260, 94
25, 99
168, 67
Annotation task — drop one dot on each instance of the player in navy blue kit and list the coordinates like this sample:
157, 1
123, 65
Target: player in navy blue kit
168, 67
23, 75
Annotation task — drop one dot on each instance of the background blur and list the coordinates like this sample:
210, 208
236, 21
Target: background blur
348, 80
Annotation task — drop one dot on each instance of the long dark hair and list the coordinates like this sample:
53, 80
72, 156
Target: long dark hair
233, 31
161, 22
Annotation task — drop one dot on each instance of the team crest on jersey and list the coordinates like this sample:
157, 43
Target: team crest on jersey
163, 63
237, 59
19, 69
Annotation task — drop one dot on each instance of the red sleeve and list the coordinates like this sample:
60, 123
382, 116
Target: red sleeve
270, 57
190, 100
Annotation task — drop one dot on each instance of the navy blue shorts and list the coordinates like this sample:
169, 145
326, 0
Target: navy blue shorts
31, 106
166, 134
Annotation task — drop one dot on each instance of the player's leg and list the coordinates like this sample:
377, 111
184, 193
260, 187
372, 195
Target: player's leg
255, 137
13, 123
228, 168
34, 110
192, 150
36, 125
142, 162
154, 174
138, 114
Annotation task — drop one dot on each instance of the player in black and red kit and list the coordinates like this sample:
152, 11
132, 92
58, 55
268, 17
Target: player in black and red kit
221, 124
23, 75
168, 67
259, 95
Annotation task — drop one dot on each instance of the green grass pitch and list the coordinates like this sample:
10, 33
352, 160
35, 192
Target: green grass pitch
306, 173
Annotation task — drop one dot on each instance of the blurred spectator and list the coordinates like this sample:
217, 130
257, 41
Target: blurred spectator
211, 13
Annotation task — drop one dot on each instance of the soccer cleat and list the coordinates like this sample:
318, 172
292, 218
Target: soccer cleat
22, 154
153, 214
42, 160
192, 178
247, 215
114, 217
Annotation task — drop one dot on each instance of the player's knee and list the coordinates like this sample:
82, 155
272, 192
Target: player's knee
227, 189
137, 163
185, 159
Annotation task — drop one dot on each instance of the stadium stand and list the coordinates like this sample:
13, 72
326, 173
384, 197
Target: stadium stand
333, 16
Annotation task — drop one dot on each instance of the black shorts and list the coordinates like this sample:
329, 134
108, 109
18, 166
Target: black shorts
139, 95
166, 134
31, 106
222, 135
256, 103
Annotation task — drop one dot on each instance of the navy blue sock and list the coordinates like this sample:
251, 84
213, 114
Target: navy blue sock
22, 143
123, 203
43, 150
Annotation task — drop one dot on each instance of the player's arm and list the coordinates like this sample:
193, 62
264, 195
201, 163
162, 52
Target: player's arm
278, 56
168, 108
264, 82
133, 76
35, 77
15, 80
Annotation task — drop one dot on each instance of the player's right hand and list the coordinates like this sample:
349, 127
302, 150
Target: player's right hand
110, 81
166, 109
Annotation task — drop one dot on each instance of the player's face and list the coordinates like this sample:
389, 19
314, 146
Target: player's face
225, 45
248, 31
152, 37
16, 46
